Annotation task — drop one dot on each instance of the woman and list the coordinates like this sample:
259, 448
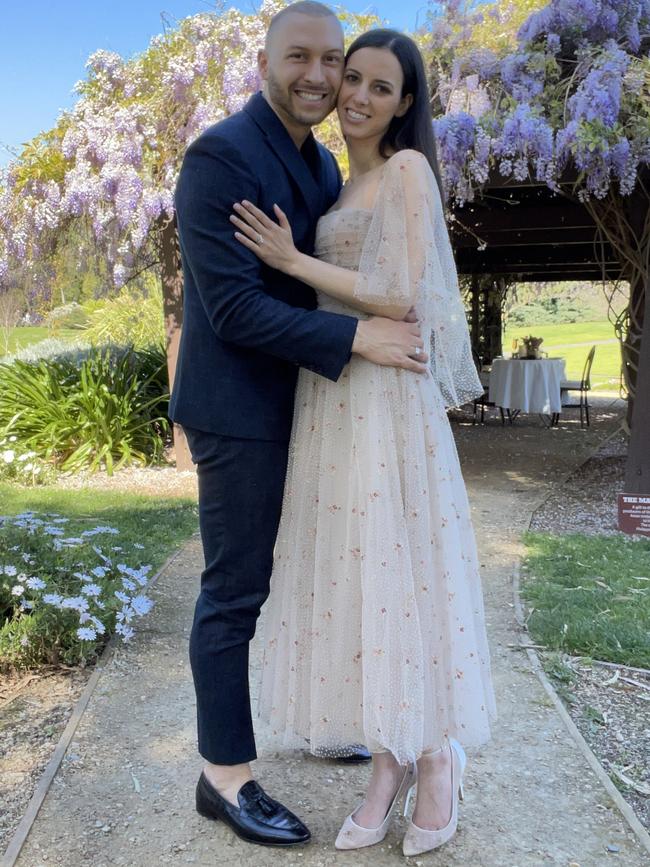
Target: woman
375, 629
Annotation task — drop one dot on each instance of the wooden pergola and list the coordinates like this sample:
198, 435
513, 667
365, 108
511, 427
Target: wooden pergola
532, 233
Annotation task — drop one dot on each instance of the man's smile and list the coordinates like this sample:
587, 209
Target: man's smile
310, 95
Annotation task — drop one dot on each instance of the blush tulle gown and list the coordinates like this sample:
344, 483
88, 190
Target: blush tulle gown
374, 628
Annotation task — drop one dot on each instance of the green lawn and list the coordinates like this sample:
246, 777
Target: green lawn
24, 336
161, 525
589, 595
605, 372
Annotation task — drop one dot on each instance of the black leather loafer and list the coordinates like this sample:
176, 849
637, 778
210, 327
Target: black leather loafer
259, 818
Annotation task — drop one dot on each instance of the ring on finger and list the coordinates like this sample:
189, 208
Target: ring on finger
260, 240
417, 350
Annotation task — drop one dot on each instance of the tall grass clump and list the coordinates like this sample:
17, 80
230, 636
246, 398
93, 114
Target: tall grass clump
99, 408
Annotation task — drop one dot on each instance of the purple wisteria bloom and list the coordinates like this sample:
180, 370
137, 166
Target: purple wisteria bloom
598, 96
521, 78
455, 134
526, 139
593, 21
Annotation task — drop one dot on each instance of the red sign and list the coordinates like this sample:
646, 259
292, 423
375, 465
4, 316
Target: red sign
634, 514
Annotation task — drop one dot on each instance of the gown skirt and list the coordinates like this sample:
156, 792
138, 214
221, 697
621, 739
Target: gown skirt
374, 628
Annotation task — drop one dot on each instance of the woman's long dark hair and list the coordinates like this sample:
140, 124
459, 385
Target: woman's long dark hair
414, 129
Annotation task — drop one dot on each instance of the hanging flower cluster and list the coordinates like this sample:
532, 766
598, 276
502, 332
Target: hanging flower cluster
573, 92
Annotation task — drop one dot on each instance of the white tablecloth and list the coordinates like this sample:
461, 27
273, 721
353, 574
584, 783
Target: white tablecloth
529, 385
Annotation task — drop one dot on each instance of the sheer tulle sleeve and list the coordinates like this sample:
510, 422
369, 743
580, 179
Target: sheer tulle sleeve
407, 259
392, 262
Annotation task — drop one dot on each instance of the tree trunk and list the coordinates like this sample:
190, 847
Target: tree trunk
172, 283
632, 343
637, 471
637, 221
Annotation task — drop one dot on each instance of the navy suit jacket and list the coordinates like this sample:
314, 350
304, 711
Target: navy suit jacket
247, 328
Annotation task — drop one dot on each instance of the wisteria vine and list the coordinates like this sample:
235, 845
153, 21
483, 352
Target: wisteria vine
574, 90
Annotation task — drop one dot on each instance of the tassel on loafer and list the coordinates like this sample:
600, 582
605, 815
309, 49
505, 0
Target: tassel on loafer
258, 819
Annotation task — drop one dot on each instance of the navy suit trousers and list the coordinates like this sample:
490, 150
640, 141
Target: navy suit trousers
241, 483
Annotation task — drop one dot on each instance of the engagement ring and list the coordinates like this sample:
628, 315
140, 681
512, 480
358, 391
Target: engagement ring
260, 240
417, 350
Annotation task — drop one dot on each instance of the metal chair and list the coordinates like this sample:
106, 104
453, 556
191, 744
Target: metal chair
483, 400
583, 386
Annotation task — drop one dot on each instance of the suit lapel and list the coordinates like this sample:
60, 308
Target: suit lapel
285, 149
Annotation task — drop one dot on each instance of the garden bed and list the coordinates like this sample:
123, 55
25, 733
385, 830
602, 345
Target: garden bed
610, 705
35, 705
608, 701
160, 481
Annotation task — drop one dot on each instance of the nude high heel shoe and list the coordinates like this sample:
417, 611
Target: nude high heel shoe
353, 836
419, 840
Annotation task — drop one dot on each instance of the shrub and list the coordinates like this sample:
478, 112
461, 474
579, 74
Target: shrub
133, 317
51, 347
62, 595
103, 407
70, 315
548, 311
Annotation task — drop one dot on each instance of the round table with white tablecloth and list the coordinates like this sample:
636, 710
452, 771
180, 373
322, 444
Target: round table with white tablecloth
527, 385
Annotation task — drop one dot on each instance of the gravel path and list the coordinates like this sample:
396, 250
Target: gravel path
586, 502
124, 793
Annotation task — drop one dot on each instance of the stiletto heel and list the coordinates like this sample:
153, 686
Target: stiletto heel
353, 836
463, 761
418, 840
409, 793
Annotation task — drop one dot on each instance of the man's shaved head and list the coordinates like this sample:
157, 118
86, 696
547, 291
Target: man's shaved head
301, 65
304, 7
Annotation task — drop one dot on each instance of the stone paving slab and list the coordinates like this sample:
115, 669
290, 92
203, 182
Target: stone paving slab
124, 794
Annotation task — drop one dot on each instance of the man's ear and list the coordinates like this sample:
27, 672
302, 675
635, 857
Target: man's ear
405, 103
262, 63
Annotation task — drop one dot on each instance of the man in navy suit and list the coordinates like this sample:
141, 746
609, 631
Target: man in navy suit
246, 331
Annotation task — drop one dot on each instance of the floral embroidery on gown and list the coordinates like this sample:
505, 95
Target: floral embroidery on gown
374, 628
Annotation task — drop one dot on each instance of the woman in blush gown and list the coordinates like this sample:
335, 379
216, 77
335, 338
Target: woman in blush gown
375, 631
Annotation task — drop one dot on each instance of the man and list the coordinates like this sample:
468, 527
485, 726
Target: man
246, 330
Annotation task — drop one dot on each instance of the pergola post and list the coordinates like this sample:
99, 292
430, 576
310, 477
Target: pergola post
475, 301
493, 317
634, 502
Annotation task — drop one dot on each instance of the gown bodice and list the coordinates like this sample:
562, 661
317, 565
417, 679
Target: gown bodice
340, 235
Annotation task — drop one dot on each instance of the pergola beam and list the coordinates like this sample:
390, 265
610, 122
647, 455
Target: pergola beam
527, 237
555, 276
523, 218
530, 233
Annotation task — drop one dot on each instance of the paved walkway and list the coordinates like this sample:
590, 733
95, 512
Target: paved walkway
124, 795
